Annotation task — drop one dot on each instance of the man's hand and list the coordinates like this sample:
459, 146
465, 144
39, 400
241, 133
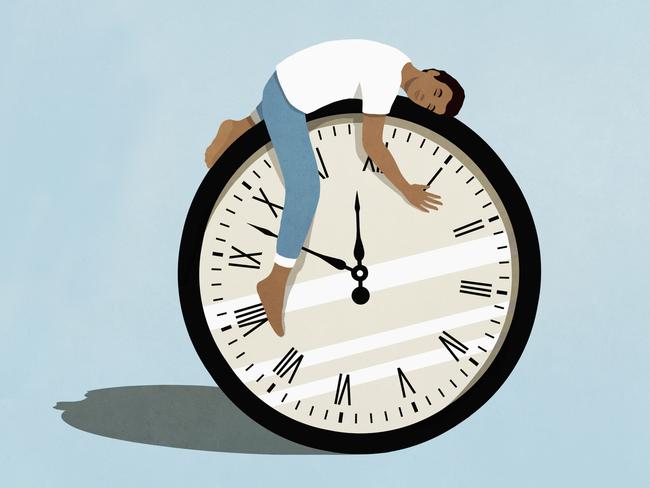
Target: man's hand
373, 127
415, 194
420, 198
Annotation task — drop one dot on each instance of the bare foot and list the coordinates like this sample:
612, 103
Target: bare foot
271, 291
228, 132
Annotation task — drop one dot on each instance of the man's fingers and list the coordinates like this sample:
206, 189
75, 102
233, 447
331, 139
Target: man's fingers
425, 188
429, 196
424, 202
429, 205
433, 200
432, 196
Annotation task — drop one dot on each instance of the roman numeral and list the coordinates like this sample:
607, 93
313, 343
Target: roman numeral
404, 380
250, 257
289, 363
467, 228
370, 164
252, 316
324, 175
451, 344
272, 206
342, 387
476, 288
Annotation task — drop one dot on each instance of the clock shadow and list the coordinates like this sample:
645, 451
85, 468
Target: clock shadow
181, 416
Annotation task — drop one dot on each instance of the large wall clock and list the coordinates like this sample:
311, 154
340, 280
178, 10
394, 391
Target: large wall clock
380, 354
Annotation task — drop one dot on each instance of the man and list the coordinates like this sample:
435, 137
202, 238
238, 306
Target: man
310, 79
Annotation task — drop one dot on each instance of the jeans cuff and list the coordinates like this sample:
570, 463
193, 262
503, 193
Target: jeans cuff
284, 261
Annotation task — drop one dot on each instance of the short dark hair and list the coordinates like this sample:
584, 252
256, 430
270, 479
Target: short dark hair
457, 92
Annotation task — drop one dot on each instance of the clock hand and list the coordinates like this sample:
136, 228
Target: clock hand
390, 274
359, 252
360, 294
332, 261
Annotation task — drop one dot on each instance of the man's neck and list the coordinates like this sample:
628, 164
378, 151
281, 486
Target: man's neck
409, 73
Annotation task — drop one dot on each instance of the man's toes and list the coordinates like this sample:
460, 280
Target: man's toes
272, 306
278, 329
274, 317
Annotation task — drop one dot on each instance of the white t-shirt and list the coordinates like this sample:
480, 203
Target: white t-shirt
347, 68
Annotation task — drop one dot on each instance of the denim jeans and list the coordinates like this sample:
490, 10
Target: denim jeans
287, 128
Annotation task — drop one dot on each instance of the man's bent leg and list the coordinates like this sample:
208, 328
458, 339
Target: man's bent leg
287, 128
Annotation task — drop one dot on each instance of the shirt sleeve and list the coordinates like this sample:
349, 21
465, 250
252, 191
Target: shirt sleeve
378, 90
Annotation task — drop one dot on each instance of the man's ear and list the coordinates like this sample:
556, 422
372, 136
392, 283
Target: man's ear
432, 72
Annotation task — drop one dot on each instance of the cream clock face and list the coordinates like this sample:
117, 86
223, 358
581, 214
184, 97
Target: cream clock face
441, 287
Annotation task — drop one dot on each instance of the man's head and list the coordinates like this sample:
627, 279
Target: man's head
437, 91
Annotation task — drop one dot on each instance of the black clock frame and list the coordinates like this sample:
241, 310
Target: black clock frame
461, 408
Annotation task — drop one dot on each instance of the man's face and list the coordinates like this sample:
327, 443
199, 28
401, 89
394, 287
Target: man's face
429, 93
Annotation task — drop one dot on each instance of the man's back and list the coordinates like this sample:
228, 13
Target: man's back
340, 69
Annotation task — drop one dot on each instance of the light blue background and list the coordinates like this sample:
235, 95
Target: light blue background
106, 108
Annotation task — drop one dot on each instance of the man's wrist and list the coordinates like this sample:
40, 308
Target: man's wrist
403, 186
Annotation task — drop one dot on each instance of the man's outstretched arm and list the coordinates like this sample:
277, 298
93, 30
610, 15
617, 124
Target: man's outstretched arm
372, 136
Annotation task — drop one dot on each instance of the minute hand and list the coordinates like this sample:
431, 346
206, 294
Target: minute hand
332, 261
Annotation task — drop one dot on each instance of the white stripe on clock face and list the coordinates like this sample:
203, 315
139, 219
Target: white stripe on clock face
371, 373
389, 274
367, 343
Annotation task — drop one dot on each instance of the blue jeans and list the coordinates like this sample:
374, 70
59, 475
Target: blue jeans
287, 128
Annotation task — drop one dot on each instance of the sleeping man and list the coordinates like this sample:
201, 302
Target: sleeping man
304, 82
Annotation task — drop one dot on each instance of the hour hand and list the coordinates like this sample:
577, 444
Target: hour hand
332, 261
